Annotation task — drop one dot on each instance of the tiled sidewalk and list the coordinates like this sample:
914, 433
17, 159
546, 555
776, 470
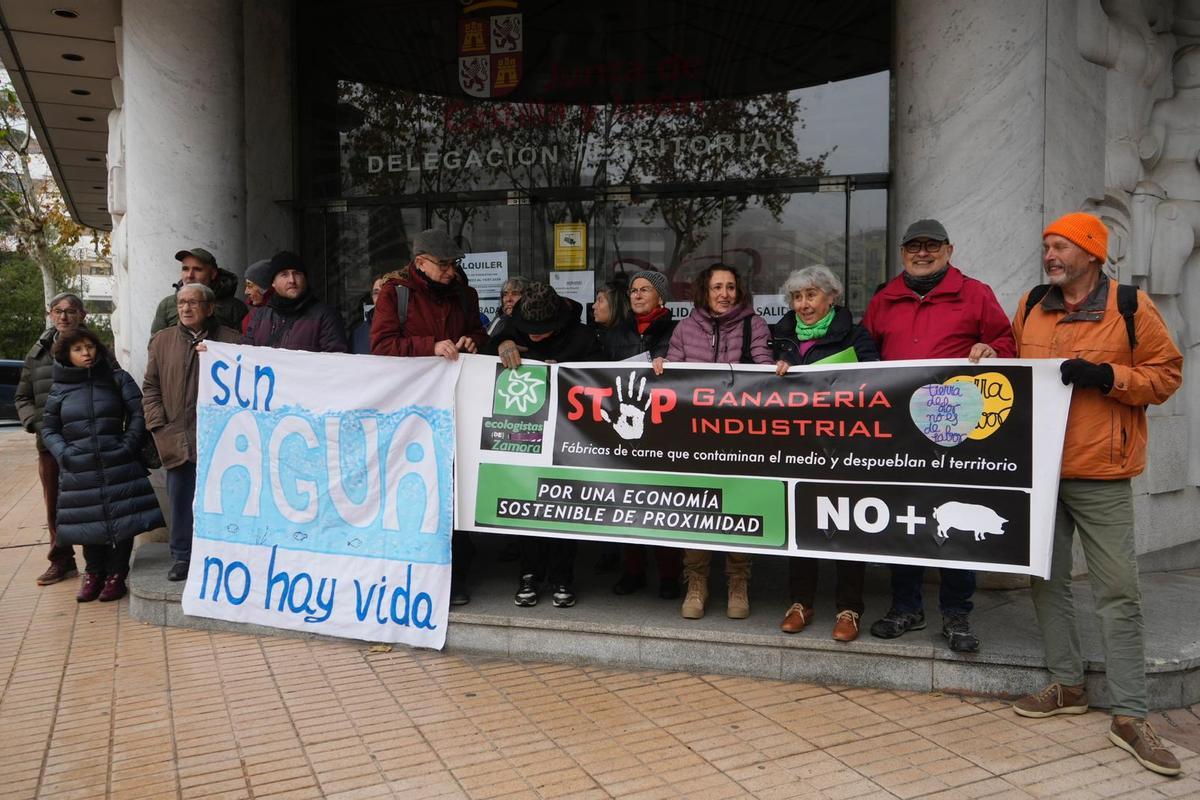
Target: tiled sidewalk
96, 705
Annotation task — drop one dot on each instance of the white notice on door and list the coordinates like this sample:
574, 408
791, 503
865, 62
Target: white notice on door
487, 272
579, 286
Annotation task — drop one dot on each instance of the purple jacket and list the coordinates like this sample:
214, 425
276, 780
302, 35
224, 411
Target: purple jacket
702, 338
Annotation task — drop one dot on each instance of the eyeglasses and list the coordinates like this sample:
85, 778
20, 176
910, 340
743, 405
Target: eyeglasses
190, 303
449, 263
929, 246
64, 312
644, 290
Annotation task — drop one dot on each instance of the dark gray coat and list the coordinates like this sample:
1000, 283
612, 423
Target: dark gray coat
94, 428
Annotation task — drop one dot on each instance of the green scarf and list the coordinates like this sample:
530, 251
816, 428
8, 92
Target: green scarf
815, 331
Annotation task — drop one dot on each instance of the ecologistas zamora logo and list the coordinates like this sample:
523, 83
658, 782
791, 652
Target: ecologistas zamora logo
518, 419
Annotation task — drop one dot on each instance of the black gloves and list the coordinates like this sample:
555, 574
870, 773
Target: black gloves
1085, 374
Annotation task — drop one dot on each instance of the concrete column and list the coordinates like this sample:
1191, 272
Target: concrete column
185, 169
999, 128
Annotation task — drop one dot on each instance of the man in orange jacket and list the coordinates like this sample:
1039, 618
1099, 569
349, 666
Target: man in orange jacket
1117, 369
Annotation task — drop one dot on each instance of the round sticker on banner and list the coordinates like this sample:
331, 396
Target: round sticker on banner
997, 394
946, 413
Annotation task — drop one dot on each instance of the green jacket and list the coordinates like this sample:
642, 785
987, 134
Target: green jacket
229, 310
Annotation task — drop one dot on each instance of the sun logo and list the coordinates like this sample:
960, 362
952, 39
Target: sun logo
522, 390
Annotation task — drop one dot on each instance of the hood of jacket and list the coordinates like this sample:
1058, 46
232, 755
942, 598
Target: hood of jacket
729, 319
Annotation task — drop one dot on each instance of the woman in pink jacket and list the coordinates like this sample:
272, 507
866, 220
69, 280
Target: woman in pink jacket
722, 329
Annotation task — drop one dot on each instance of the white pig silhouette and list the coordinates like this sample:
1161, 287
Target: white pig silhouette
968, 517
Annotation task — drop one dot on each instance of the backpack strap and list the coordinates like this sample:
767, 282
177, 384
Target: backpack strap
1034, 297
1127, 304
401, 303
746, 357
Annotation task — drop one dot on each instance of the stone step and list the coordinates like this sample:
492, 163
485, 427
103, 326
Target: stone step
643, 631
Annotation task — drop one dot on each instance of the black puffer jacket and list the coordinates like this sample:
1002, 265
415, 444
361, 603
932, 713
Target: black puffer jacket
37, 376
843, 334
93, 426
623, 340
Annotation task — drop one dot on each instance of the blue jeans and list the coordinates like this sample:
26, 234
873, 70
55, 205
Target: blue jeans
954, 594
181, 488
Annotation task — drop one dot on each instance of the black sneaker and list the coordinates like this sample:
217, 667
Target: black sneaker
897, 623
564, 596
668, 588
458, 595
957, 630
178, 571
527, 593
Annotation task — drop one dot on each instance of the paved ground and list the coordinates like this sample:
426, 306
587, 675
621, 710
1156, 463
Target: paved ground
95, 705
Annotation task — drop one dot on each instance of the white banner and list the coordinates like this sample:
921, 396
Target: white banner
323, 493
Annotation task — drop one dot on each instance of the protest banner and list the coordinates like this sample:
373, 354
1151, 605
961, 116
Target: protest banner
323, 496
942, 463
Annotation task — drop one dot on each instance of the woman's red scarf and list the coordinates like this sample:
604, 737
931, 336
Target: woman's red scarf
644, 321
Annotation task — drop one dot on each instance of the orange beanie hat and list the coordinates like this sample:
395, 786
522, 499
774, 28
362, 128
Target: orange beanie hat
1082, 229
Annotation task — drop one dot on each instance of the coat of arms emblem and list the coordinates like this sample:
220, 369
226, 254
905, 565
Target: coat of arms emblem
490, 47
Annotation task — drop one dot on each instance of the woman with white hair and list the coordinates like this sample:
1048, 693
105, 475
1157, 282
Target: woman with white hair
819, 331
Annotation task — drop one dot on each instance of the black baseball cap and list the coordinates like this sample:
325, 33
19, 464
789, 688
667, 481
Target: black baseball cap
925, 229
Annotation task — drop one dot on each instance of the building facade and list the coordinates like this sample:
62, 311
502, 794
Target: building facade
570, 141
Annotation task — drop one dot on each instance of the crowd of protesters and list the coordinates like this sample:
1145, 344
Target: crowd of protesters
92, 421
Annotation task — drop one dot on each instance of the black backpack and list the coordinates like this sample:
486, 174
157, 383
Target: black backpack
1127, 304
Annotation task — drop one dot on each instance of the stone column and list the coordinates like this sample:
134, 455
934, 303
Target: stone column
999, 128
184, 158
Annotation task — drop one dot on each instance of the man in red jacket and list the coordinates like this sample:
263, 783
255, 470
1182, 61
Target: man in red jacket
428, 309
440, 316
932, 310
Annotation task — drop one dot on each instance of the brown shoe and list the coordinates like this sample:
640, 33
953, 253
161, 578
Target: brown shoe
1054, 699
796, 618
57, 571
845, 627
1136, 736
738, 605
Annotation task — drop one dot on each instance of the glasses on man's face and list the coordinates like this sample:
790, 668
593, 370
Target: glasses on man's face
449, 263
64, 312
190, 303
928, 246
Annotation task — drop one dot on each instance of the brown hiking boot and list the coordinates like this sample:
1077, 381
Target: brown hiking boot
1054, 699
694, 600
738, 605
1136, 736
57, 571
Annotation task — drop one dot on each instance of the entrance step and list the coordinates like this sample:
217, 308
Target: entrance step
641, 631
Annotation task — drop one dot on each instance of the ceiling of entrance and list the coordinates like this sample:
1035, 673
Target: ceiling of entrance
61, 57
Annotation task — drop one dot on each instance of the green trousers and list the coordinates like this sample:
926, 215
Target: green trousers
1102, 513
